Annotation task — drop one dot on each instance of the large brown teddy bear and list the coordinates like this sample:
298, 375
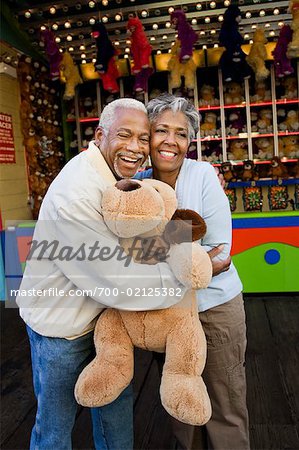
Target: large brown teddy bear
132, 208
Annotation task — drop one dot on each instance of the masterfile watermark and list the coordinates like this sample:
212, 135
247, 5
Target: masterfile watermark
142, 250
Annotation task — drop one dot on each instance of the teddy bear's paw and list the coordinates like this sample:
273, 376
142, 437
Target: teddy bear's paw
190, 264
185, 398
99, 386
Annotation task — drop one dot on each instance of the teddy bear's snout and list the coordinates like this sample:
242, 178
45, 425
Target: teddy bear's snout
127, 185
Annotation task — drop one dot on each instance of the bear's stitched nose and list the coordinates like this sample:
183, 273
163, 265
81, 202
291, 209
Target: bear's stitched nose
127, 185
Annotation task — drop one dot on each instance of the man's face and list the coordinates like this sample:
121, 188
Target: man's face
126, 145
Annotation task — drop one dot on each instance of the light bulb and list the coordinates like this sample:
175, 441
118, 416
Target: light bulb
27, 14
52, 10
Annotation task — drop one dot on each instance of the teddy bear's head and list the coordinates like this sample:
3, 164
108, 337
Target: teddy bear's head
149, 208
234, 88
133, 208
207, 92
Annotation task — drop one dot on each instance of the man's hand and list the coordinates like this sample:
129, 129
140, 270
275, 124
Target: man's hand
219, 266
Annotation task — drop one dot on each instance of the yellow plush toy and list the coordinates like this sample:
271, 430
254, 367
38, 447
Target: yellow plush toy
209, 125
178, 69
207, 96
291, 122
233, 93
132, 208
265, 148
257, 55
71, 74
237, 149
289, 146
293, 47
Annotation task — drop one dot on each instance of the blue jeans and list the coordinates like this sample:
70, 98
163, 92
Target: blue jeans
56, 365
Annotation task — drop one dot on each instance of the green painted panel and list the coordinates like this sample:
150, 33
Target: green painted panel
258, 276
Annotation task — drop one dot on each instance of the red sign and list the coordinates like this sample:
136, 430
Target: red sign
7, 146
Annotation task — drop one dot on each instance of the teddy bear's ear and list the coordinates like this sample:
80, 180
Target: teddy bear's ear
185, 226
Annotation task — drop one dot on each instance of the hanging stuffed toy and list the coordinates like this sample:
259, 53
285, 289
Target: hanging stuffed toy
186, 34
257, 55
105, 63
282, 63
53, 53
141, 52
233, 60
178, 69
71, 74
293, 47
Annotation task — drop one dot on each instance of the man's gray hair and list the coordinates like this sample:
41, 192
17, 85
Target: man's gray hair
166, 102
108, 114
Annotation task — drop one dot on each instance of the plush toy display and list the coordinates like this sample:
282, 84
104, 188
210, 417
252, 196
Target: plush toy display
264, 148
249, 172
141, 52
207, 96
289, 146
71, 74
262, 93
282, 63
236, 123
258, 54
290, 88
40, 125
233, 94
233, 61
264, 123
176, 330
186, 34
105, 63
291, 122
293, 47
227, 171
209, 125
53, 53
277, 169
178, 69
237, 149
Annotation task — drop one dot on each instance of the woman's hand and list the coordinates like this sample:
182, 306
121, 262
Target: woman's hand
219, 266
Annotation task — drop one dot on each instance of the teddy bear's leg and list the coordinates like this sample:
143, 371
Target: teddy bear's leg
175, 77
111, 371
189, 79
183, 392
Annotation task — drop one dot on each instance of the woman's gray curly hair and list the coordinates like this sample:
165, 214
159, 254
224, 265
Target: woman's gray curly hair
166, 102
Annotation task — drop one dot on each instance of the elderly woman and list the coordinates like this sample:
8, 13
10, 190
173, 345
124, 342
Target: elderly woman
174, 123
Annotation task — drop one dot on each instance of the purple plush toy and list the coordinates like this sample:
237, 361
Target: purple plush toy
186, 34
282, 63
53, 53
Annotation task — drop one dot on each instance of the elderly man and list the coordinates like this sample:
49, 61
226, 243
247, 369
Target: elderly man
64, 264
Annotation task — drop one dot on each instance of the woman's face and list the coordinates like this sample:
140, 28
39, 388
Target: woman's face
169, 141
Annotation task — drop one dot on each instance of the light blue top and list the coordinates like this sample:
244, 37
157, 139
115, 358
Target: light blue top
198, 188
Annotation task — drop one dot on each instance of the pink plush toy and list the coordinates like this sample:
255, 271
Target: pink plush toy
282, 63
186, 34
53, 53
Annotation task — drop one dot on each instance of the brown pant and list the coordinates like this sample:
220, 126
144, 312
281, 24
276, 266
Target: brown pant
224, 375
